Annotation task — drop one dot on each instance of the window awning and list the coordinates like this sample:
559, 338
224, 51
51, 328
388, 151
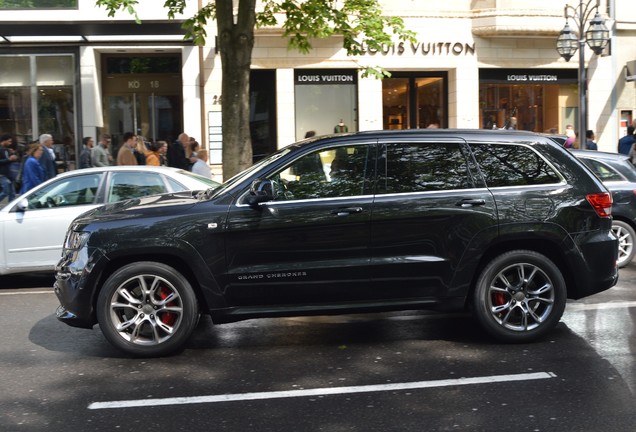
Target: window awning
630, 71
91, 32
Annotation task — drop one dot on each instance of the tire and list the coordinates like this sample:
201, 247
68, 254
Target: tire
626, 236
520, 296
147, 309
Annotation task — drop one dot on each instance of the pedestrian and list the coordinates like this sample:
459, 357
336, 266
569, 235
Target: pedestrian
86, 154
632, 154
18, 149
153, 158
47, 160
140, 150
100, 156
33, 173
162, 148
201, 166
590, 144
177, 153
191, 152
125, 155
625, 144
571, 136
7, 188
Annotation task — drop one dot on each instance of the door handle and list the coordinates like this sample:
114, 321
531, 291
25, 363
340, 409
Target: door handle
469, 202
346, 211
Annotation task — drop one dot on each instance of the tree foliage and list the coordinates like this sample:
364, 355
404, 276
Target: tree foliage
359, 22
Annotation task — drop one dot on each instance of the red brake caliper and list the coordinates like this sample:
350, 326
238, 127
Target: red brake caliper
499, 299
167, 318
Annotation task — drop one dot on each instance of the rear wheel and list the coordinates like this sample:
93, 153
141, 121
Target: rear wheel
625, 235
520, 295
147, 309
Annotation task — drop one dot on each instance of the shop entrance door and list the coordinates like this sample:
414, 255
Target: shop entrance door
142, 94
153, 116
415, 100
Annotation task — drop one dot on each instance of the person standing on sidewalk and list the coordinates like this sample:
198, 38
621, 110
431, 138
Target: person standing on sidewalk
86, 155
100, 156
177, 154
47, 160
7, 189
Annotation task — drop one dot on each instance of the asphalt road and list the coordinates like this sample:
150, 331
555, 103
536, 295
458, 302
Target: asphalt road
410, 371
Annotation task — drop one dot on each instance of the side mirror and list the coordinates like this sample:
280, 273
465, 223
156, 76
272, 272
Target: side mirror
22, 205
262, 190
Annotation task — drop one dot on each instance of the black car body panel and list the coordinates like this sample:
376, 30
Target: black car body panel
395, 235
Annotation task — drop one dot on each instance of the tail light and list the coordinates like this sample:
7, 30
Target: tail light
602, 203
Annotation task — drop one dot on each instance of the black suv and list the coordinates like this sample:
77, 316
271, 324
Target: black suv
505, 223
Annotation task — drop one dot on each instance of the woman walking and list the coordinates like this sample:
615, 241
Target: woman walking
32, 173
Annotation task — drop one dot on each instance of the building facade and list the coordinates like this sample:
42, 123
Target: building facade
72, 71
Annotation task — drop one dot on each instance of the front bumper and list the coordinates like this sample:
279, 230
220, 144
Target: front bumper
75, 288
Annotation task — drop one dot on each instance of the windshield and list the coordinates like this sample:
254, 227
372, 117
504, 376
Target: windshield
211, 183
238, 178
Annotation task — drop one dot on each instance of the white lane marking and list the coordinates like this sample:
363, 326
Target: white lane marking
592, 306
319, 391
26, 292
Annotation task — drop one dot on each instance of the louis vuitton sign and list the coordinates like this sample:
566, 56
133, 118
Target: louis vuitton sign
424, 48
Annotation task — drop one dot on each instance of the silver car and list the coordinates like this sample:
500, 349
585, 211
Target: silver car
32, 227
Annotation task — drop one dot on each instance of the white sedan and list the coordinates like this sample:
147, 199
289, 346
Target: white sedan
33, 226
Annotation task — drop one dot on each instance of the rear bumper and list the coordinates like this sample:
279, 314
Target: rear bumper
595, 269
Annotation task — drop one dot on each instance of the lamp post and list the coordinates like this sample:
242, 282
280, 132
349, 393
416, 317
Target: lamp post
596, 36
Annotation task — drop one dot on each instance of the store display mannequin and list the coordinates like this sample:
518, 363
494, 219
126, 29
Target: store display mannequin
341, 127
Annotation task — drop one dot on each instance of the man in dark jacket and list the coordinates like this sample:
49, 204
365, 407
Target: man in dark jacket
48, 156
6, 159
625, 144
590, 144
176, 152
87, 149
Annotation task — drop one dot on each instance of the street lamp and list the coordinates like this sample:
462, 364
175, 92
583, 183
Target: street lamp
596, 36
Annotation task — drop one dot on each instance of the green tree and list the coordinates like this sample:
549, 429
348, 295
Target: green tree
359, 22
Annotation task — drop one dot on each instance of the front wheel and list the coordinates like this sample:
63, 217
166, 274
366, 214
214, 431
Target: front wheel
147, 309
625, 235
520, 296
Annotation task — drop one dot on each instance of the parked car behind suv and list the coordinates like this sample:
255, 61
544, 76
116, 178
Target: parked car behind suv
505, 223
619, 175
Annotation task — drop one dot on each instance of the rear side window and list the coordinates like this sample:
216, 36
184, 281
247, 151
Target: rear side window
513, 165
125, 185
423, 167
602, 171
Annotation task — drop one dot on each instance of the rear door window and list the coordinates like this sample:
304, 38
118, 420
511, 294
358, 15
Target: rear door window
423, 167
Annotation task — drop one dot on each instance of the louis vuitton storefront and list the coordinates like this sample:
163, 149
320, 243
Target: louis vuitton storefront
461, 71
537, 100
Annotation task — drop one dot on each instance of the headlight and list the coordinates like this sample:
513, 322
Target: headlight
75, 240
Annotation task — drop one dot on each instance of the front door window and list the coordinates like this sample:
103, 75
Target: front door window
336, 172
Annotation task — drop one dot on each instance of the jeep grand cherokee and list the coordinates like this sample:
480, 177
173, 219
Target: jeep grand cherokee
507, 224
